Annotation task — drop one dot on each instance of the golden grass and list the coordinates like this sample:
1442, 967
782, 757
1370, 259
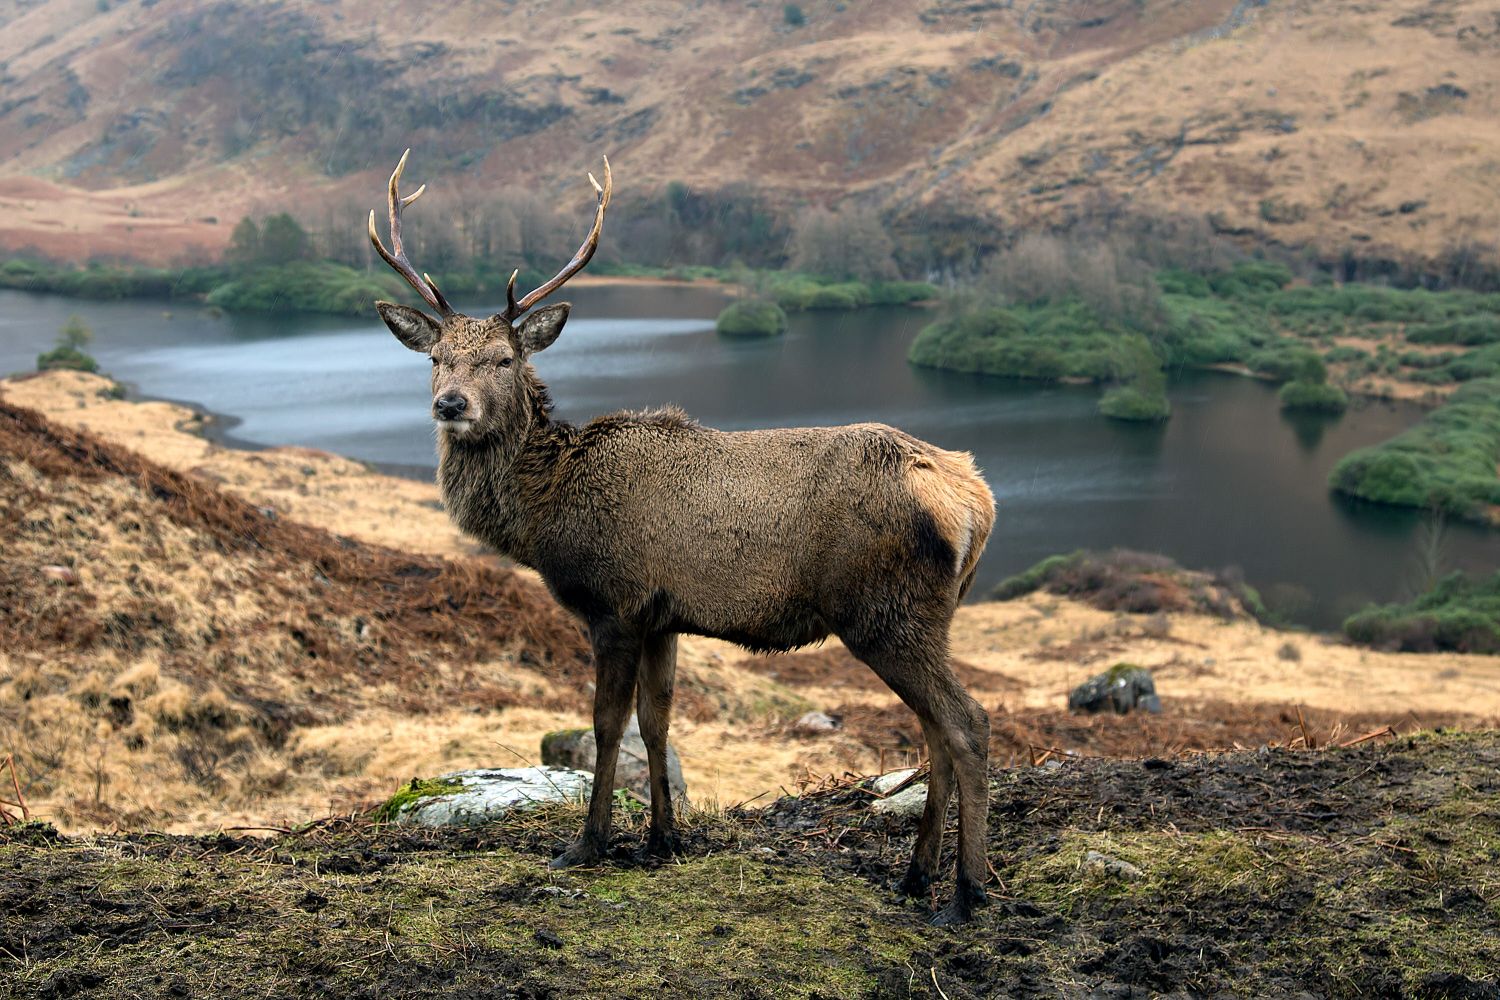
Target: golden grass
215, 714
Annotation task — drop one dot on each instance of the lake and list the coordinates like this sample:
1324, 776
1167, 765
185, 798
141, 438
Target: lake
1228, 481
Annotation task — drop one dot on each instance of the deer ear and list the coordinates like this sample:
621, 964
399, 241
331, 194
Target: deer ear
412, 327
541, 328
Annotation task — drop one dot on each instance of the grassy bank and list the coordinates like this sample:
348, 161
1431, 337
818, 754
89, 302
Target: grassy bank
1460, 614
305, 286
1446, 463
1250, 315
1350, 873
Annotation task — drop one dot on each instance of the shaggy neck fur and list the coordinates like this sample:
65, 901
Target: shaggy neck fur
494, 483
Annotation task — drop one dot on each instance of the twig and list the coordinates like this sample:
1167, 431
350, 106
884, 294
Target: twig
1387, 731
20, 802
1307, 741
935, 985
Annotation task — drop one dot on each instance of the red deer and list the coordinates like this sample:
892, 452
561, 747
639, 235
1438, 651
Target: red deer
647, 525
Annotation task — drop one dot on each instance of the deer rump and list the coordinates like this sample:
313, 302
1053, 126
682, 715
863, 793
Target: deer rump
771, 539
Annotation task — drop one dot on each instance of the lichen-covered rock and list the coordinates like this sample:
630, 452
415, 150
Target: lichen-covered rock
575, 748
469, 798
907, 803
1120, 689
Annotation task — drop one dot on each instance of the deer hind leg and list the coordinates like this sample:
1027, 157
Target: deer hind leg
955, 722
654, 709
617, 657
924, 856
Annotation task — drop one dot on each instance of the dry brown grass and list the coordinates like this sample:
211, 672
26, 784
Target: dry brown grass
202, 708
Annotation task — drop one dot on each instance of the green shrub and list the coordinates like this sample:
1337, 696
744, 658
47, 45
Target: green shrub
66, 357
1346, 355
1314, 397
1128, 402
1459, 614
1466, 331
1287, 360
900, 293
1045, 342
1447, 462
752, 318
306, 287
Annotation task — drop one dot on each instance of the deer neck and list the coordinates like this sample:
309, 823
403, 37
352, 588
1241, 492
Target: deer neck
492, 485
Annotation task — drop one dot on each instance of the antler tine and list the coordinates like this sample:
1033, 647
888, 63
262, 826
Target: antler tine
585, 252
396, 256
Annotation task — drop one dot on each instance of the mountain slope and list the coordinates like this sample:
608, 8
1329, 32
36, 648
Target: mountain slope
1369, 128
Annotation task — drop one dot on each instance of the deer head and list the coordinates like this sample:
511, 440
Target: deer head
481, 382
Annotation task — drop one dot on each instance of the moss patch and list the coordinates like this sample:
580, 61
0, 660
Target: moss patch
413, 792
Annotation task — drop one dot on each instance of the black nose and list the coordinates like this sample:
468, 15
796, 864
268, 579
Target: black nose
450, 406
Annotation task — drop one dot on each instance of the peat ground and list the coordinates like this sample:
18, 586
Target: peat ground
1369, 871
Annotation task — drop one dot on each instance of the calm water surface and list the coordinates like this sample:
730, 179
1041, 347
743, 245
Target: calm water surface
1228, 481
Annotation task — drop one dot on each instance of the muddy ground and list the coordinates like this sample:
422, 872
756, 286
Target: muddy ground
1370, 871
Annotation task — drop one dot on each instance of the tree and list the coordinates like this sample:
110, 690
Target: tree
244, 244
75, 334
848, 245
282, 241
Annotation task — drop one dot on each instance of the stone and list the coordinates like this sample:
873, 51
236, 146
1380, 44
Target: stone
469, 798
906, 804
891, 780
1114, 866
1122, 689
575, 748
816, 723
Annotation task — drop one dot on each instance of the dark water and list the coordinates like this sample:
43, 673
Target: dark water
1229, 481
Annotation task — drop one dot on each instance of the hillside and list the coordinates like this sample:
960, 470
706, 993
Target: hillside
1362, 130
1365, 872
199, 637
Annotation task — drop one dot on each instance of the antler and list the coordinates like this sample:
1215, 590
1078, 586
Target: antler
424, 285
513, 308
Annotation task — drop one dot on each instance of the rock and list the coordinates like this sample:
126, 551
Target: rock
575, 748
907, 803
1120, 689
469, 798
1114, 866
816, 723
890, 781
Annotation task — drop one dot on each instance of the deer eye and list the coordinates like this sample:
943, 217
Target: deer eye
505, 362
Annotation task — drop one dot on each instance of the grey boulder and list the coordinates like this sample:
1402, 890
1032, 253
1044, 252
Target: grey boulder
469, 798
575, 748
1121, 689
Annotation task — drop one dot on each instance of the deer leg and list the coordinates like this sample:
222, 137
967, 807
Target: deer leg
654, 709
617, 657
920, 675
929, 846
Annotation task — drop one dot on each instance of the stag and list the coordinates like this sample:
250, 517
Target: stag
647, 525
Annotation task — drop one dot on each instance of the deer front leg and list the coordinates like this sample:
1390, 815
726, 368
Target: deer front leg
617, 656
654, 709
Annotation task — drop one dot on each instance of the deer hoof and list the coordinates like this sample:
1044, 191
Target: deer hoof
952, 915
916, 884
663, 845
580, 853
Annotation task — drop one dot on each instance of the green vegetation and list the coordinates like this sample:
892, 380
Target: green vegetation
1054, 310
69, 352
1129, 403
1446, 463
1459, 614
1104, 874
411, 793
306, 286
752, 318
1313, 397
